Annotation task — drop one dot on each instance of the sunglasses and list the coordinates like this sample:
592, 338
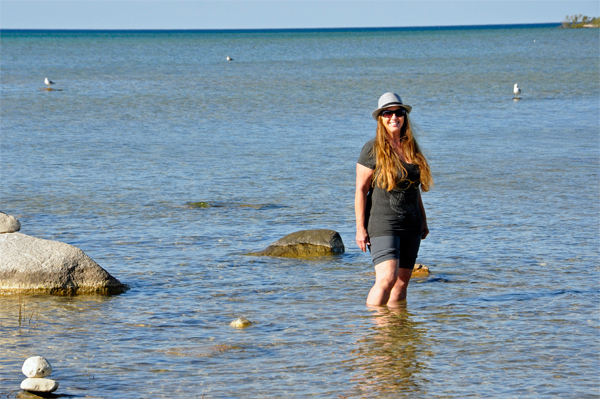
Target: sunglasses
399, 113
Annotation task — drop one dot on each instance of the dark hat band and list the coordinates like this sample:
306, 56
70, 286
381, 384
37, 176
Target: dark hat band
390, 104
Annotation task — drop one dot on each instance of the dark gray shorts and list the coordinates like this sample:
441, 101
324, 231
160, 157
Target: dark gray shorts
403, 248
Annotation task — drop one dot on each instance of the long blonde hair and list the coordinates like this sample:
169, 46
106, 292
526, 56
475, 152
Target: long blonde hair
388, 163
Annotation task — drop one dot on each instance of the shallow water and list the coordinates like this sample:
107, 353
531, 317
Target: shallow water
146, 123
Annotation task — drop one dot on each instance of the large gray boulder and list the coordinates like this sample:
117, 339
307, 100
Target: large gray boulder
306, 244
32, 265
8, 223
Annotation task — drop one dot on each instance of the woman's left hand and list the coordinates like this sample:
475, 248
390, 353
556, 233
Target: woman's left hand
424, 230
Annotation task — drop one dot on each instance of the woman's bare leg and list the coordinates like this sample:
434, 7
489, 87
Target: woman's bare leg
399, 291
386, 277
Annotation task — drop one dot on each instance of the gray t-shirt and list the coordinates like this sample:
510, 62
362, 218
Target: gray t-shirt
395, 212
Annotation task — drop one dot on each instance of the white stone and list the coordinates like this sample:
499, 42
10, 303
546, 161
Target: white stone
37, 367
8, 223
240, 323
39, 385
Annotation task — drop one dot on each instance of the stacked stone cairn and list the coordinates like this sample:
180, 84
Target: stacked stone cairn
36, 369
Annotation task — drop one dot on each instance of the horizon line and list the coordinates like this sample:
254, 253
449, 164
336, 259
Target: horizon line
339, 29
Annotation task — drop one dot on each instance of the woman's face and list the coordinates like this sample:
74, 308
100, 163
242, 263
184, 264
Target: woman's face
391, 121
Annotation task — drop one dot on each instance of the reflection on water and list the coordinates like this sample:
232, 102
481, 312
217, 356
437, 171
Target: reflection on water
47, 320
392, 355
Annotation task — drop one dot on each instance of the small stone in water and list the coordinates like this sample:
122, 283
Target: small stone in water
240, 323
39, 385
36, 367
420, 270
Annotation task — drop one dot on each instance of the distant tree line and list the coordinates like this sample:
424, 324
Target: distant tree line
580, 21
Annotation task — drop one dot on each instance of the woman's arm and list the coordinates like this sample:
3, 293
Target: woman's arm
424, 228
363, 184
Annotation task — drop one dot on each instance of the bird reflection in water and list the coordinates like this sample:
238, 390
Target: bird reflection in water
391, 356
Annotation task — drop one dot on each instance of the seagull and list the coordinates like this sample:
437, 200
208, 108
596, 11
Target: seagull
516, 90
48, 82
229, 58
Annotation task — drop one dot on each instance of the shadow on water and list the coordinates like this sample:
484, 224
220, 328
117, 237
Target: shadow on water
434, 279
39, 395
528, 296
390, 358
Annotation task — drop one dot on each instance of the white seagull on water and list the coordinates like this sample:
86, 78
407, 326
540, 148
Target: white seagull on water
516, 90
229, 58
48, 82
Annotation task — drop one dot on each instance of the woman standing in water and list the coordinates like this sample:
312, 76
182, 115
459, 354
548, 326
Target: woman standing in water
390, 217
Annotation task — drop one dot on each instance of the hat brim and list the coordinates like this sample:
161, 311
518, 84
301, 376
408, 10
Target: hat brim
376, 113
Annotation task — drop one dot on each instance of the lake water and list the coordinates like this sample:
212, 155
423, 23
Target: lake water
145, 122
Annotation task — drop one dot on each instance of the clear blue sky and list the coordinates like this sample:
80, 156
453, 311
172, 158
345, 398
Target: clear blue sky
194, 14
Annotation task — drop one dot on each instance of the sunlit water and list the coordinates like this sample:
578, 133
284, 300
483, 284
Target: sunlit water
147, 122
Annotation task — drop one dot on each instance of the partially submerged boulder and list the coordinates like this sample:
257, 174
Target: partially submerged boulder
305, 244
8, 223
32, 265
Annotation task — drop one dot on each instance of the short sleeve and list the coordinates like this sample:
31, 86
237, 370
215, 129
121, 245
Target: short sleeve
367, 156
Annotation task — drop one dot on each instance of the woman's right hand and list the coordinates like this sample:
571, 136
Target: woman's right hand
362, 239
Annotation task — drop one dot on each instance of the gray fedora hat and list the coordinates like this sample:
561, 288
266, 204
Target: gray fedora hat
389, 100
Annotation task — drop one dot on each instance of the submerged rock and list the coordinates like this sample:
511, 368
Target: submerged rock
32, 265
8, 223
35, 395
45, 385
306, 243
240, 323
420, 270
36, 367
200, 204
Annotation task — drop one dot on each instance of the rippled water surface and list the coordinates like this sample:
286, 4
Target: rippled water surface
146, 122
